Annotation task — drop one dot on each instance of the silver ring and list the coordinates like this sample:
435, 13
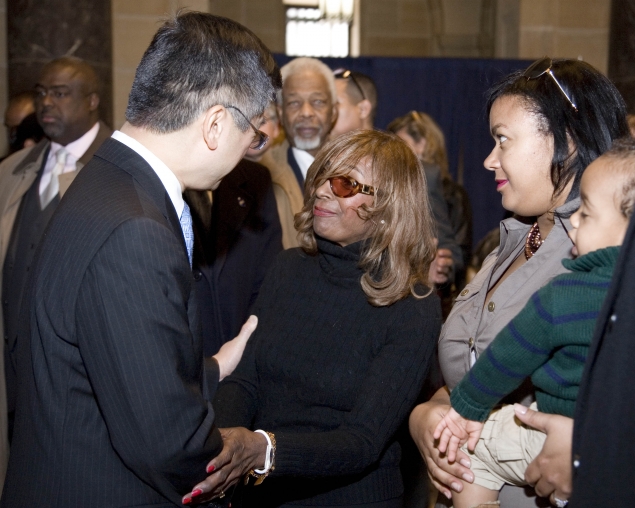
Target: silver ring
560, 503
222, 495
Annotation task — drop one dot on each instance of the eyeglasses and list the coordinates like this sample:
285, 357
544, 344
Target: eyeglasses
261, 138
347, 187
345, 74
541, 67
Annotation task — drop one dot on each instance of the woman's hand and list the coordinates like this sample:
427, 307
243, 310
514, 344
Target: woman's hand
445, 476
232, 351
243, 450
550, 471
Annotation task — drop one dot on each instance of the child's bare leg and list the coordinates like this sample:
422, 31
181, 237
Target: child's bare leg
473, 495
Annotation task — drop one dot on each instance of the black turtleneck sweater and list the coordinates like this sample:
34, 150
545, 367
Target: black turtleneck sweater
332, 377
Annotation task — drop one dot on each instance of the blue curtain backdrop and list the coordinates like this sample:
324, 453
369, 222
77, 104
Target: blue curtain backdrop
452, 91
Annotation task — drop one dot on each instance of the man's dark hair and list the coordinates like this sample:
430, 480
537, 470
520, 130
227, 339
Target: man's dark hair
367, 84
600, 117
198, 60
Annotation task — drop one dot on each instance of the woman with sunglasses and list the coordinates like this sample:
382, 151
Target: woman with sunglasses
548, 123
347, 328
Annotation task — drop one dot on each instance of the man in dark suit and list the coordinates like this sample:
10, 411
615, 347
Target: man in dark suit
113, 403
32, 182
237, 237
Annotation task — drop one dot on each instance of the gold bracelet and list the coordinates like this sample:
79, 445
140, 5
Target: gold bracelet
261, 474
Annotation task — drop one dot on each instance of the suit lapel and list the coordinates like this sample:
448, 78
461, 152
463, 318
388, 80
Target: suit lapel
66, 179
295, 167
136, 166
231, 206
103, 134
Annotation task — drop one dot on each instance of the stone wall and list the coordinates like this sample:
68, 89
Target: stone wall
622, 50
418, 28
566, 29
40, 31
133, 25
396, 27
456, 28
265, 17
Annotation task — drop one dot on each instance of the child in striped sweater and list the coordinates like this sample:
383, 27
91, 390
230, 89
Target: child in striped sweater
548, 340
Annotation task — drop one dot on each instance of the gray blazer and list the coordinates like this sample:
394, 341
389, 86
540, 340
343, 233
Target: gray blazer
473, 325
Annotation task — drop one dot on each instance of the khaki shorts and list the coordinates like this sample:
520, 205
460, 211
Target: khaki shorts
505, 449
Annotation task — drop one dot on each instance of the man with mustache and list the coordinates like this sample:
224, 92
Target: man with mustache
32, 182
307, 107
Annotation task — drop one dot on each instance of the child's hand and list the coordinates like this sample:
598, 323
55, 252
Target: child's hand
454, 431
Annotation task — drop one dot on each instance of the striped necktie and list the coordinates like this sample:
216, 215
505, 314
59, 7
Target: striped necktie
188, 231
53, 187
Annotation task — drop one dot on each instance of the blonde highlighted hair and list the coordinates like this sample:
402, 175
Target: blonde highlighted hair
420, 125
397, 255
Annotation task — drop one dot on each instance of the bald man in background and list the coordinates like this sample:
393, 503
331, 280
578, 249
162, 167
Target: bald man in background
32, 182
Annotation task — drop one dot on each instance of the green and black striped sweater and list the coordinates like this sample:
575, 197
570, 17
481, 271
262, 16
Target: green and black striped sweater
548, 340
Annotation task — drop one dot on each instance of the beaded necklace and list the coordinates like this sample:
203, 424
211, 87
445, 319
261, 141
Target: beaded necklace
533, 241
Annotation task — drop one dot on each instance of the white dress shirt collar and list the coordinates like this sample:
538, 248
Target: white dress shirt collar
304, 160
76, 151
168, 179
77, 148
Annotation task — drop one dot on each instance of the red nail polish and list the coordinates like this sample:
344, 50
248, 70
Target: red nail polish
196, 492
187, 500
210, 468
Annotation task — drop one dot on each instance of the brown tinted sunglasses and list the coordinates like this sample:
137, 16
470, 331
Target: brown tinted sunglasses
347, 187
